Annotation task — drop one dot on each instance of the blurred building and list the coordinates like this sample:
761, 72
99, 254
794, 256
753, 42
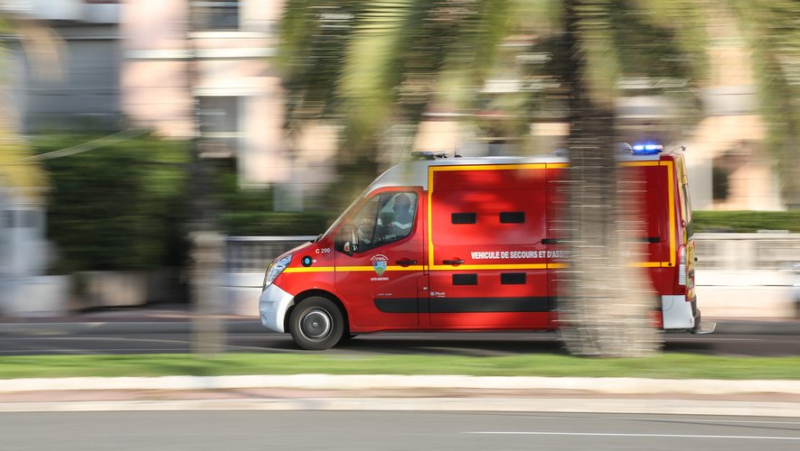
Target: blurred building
203, 66
191, 68
730, 167
67, 69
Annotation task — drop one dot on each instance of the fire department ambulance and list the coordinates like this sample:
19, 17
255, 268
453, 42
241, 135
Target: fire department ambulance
465, 244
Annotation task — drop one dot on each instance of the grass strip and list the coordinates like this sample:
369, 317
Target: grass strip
672, 366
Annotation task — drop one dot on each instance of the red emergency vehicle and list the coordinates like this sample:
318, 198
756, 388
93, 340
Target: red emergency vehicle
466, 244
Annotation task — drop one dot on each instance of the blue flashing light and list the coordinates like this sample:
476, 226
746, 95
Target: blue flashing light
647, 149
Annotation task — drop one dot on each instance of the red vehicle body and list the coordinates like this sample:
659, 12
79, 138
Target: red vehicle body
478, 253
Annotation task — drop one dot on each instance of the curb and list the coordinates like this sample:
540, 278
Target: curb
551, 405
355, 383
724, 327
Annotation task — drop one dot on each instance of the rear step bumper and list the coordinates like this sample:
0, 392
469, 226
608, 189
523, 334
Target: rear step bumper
702, 327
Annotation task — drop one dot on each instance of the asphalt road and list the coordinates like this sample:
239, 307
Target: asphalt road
472, 344
370, 431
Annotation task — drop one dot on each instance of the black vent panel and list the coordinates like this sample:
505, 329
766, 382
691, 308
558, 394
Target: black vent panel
513, 278
512, 217
464, 218
465, 279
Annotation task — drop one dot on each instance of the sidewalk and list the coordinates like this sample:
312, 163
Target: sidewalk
377, 392
405, 393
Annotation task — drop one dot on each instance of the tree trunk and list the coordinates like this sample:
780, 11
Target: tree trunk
604, 305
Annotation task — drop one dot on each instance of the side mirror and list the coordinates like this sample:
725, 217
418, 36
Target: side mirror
347, 240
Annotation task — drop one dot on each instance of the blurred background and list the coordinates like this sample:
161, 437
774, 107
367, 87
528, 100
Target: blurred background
146, 142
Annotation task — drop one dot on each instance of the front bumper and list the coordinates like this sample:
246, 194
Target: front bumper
272, 307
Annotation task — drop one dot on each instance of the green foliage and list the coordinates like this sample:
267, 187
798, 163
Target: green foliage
314, 36
250, 212
271, 223
118, 207
236, 199
668, 366
369, 64
745, 221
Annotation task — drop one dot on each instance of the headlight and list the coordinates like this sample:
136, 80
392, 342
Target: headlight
275, 269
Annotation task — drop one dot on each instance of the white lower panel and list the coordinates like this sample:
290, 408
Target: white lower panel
677, 313
273, 305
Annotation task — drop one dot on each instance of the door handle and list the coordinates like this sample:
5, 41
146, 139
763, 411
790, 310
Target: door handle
650, 239
550, 241
406, 262
455, 262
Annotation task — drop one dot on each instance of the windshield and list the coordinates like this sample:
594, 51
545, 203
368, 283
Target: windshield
345, 213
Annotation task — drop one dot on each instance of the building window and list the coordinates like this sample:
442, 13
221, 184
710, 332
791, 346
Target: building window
219, 126
19, 219
720, 183
215, 15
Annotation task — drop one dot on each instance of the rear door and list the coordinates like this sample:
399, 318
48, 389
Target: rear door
487, 261
651, 178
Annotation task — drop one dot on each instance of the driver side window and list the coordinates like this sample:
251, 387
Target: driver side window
384, 219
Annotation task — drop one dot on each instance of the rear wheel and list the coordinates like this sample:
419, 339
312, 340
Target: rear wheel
316, 324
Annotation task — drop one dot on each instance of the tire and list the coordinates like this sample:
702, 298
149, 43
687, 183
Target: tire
316, 324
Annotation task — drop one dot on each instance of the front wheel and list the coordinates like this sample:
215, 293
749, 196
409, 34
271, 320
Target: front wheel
316, 324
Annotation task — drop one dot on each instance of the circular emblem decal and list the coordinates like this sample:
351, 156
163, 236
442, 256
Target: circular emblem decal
306, 261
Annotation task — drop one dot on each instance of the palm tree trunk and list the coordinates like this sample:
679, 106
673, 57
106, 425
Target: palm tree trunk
603, 306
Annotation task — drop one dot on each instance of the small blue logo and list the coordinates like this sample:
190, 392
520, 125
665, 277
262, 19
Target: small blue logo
306, 261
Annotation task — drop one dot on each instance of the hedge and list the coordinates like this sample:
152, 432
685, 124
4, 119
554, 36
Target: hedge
745, 221
118, 207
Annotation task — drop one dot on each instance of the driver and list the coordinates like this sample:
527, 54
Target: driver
403, 216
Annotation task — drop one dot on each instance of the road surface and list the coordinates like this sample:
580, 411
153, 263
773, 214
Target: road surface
370, 431
472, 344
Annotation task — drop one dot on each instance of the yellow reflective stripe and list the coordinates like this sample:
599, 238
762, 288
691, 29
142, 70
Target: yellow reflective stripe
490, 167
485, 167
357, 268
351, 268
453, 268
310, 269
484, 267
641, 163
430, 217
432, 266
671, 200
402, 268
405, 268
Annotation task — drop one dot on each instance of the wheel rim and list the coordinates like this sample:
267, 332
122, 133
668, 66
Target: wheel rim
316, 324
